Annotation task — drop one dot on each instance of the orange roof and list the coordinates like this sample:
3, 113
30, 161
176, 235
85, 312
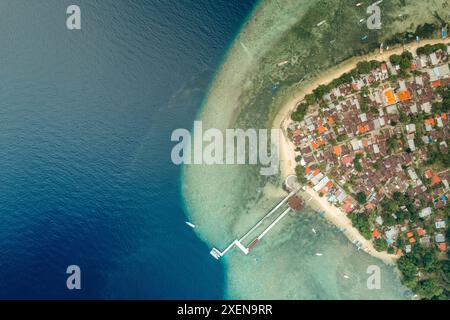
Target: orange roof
361, 129
412, 240
436, 83
404, 95
420, 232
329, 184
369, 206
409, 234
347, 159
348, 204
435, 180
399, 252
316, 172
308, 170
429, 173
444, 116
430, 121
321, 129
390, 97
337, 150
375, 233
314, 144
365, 142
330, 120
442, 246
347, 207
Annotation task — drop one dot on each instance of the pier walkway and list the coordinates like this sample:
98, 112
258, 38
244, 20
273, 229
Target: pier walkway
216, 253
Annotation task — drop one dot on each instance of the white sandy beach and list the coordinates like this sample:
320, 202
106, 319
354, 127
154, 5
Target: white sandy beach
287, 153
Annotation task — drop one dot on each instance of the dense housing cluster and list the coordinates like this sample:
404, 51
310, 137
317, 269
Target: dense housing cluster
375, 143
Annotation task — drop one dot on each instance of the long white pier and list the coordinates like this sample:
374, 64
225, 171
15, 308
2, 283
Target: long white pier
216, 253
268, 214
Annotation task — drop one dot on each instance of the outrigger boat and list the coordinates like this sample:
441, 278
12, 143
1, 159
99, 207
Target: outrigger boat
190, 224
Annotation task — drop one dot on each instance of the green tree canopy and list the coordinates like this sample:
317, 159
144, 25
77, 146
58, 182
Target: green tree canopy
361, 197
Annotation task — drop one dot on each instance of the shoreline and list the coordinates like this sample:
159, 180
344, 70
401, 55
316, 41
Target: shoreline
287, 152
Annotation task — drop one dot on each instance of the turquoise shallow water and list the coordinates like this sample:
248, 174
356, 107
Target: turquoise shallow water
225, 201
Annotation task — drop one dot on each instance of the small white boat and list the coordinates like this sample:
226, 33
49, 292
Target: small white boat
314, 230
319, 254
190, 224
321, 23
359, 4
282, 63
346, 276
362, 20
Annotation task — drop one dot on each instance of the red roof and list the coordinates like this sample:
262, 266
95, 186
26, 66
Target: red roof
429, 173
295, 203
375, 233
347, 159
420, 232
435, 180
436, 83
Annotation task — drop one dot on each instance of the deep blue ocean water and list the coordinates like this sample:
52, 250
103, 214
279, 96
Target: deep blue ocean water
85, 124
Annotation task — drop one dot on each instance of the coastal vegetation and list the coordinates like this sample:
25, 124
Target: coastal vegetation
361, 222
434, 279
300, 112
